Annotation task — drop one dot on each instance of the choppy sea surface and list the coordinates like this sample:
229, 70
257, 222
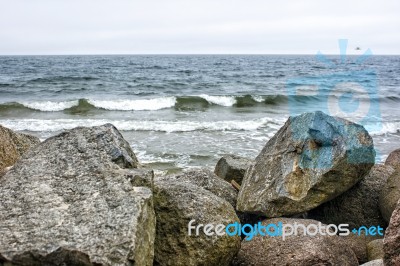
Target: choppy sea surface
182, 111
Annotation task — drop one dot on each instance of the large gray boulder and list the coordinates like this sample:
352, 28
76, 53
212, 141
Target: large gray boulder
295, 250
390, 195
206, 179
312, 159
391, 241
13, 145
73, 200
232, 167
176, 204
359, 206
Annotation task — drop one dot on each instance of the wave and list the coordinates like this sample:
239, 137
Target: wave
219, 100
54, 125
386, 128
62, 78
272, 125
48, 106
135, 105
196, 102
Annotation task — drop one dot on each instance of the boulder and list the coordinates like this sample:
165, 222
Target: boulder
359, 206
389, 195
312, 159
295, 250
358, 243
375, 249
391, 241
72, 200
13, 145
232, 167
209, 181
176, 204
394, 159
378, 262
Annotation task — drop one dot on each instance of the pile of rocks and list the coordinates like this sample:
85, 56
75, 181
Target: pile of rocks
82, 198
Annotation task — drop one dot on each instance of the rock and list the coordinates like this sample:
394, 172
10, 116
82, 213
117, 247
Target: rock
358, 243
391, 241
295, 250
312, 159
359, 206
176, 204
13, 146
389, 195
209, 181
374, 263
5, 170
375, 249
72, 201
393, 159
232, 167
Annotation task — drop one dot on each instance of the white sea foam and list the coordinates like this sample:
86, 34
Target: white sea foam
134, 125
48, 106
130, 104
219, 100
135, 105
257, 98
385, 128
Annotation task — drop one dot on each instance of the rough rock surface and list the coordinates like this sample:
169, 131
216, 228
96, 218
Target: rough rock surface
390, 194
176, 204
375, 249
13, 145
209, 181
394, 159
312, 159
359, 206
232, 167
391, 242
378, 262
297, 250
70, 201
358, 243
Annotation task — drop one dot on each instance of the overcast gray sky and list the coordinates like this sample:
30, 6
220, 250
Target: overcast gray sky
203, 26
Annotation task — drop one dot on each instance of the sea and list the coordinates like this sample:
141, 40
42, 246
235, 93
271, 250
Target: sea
183, 111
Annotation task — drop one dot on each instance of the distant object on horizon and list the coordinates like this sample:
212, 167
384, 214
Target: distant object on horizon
358, 48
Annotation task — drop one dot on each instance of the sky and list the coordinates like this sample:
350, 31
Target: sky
197, 27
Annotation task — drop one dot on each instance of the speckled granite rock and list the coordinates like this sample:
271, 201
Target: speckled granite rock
297, 250
391, 241
393, 159
358, 243
232, 167
176, 204
312, 159
359, 206
73, 200
209, 181
390, 195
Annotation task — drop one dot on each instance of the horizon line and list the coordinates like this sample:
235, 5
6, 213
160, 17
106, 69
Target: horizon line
155, 54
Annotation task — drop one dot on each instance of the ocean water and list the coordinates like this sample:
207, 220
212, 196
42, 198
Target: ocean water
181, 111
